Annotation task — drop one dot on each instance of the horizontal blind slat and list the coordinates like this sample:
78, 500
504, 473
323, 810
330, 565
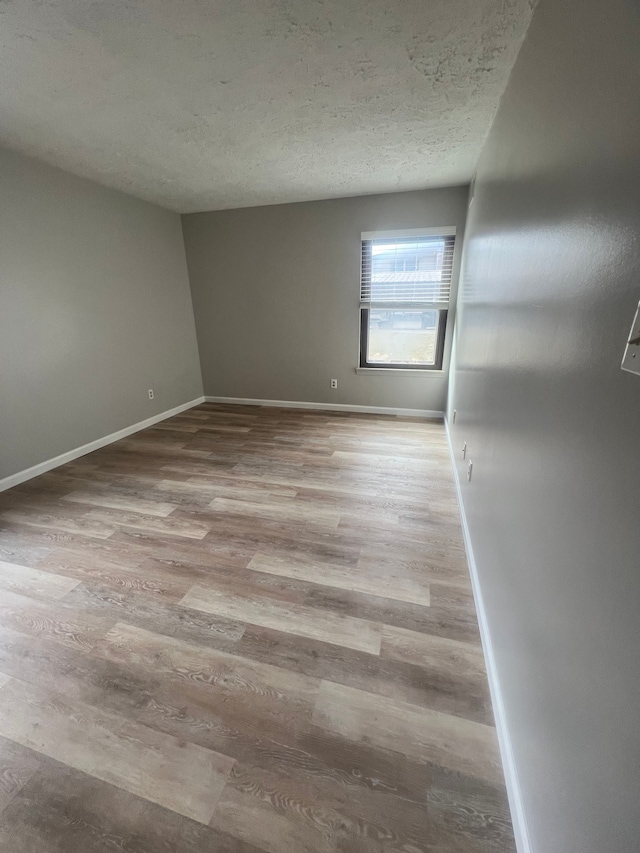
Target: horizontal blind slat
407, 270
404, 306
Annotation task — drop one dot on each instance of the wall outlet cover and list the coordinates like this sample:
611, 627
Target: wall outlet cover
631, 359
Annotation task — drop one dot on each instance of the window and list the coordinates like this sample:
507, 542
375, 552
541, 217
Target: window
405, 285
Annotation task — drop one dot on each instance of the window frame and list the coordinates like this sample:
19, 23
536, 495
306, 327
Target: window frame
379, 365
443, 311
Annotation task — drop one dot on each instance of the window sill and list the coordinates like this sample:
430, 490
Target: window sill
396, 371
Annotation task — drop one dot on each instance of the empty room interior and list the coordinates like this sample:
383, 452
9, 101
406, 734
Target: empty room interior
319, 394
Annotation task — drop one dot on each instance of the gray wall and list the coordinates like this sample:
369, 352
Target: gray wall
95, 309
276, 298
551, 280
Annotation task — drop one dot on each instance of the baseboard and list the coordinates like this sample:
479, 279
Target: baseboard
70, 455
329, 407
523, 844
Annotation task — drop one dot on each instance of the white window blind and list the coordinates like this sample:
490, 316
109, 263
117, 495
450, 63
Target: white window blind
410, 269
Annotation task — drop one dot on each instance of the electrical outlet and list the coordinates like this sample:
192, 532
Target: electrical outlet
453, 419
631, 359
151, 393
334, 383
464, 450
469, 470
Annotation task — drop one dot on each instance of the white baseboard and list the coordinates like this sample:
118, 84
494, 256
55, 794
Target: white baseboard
70, 455
329, 407
523, 843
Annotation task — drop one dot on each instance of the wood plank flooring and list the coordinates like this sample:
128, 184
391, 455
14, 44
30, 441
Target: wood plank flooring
245, 630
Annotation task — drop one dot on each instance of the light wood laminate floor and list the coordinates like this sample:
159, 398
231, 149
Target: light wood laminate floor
245, 630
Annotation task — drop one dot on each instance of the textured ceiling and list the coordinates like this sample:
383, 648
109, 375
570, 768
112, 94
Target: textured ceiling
210, 104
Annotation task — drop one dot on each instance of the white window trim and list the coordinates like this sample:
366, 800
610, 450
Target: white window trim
398, 371
442, 231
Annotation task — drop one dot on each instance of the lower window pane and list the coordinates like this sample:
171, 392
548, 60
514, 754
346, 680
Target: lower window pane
402, 337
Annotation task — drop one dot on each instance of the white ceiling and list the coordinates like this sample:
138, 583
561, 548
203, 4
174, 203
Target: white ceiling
211, 104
